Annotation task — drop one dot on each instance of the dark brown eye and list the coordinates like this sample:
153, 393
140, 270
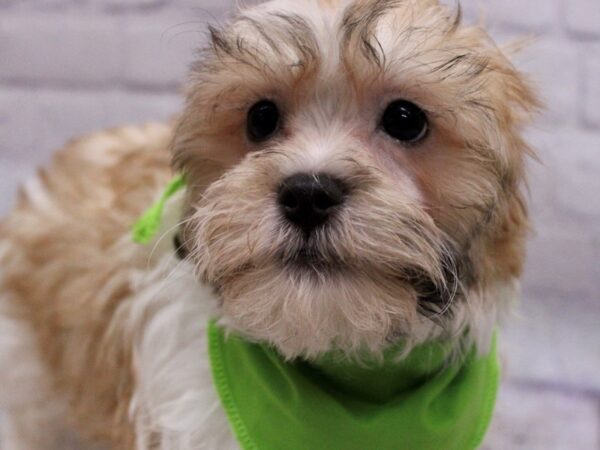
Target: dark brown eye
263, 120
405, 121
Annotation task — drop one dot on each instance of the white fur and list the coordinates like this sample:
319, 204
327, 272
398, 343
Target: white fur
174, 396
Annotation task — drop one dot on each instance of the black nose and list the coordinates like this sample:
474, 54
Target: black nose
307, 200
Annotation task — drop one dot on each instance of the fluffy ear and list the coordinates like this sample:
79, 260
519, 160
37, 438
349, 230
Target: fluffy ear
505, 253
513, 86
516, 104
506, 245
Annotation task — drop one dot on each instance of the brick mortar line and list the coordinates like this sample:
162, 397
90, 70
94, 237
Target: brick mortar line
556, 387
598, 425
583, 37
559, 28
83, 87
215, 13
558, 31
589, 126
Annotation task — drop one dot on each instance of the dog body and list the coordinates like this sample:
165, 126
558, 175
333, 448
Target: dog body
155, 367
406, 128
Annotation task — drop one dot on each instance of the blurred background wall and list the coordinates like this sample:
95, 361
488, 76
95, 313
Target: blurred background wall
69, 67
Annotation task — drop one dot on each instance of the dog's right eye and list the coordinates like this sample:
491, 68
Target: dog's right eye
263, 120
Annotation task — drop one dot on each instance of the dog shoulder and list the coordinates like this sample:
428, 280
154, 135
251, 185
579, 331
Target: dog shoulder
67, 265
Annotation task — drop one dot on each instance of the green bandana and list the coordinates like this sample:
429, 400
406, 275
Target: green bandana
147, 226
421, 403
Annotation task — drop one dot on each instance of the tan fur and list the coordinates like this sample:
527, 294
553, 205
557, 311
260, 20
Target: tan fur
451, 205
63, 249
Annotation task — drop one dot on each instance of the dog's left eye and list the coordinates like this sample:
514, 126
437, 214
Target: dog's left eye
263, 120
405, 121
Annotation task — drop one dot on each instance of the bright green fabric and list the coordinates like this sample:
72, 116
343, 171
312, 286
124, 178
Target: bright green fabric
146, 228
421, 403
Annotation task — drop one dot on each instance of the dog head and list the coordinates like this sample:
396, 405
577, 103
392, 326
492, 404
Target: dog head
354, 173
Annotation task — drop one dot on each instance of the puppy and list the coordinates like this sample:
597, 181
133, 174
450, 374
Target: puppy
354, 173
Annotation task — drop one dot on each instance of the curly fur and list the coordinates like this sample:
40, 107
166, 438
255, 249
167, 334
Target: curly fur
104, 340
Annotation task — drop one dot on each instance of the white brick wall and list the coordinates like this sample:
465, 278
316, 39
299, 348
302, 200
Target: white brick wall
591, 86
68, 67
73, 50
583, 18
529, 15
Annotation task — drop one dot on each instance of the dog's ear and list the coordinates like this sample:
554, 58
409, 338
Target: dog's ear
506, 246
516, 104
513, 87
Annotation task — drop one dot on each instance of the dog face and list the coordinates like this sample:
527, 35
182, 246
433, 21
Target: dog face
354, 171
